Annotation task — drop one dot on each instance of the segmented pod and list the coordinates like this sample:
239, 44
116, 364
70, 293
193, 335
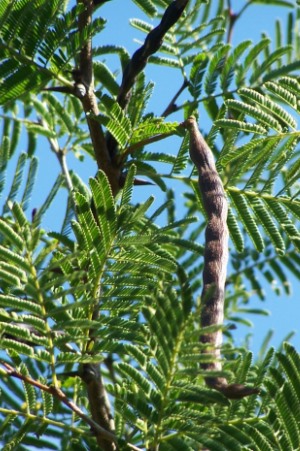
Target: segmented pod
215, 259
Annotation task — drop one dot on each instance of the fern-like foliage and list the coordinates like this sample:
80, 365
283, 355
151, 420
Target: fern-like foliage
38, 40
117, 282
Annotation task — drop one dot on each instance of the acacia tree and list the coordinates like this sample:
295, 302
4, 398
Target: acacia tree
100, 318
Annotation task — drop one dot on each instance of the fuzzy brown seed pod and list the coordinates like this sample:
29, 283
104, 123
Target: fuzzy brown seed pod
215, 258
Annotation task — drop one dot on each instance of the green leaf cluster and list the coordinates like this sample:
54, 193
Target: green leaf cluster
118, 282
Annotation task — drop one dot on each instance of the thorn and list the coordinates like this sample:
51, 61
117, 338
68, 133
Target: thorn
99, 2
137, 181
33, 213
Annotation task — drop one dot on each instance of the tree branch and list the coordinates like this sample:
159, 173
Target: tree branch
90, 373
105, 152
61, 156
98, 403
54, 391
57, 393
139, 59
233, 17
151, 45
89, 102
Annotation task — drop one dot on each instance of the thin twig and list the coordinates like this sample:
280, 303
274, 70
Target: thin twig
57, 393
131, 149
172, 107
233, 17
64, 167
61, 156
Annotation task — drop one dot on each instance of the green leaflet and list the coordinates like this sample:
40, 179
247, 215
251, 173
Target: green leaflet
235, 232
59, 112
290, 84
279, 207
267, 222
141, 94
215, 68
90, 232
284, 94
197, 73
247, 219
266, 103
257, 113
209, 36
231, 63
163, 61
30, 183
106, 77
152, 127
48, 403
105, 208
17, 180
12, 275
116, 121
251, 58
182, 158
49, 199
135, 376
8, 231
284, 220
9, 256
267, 63
283, 70
42, 31
285, 407
141, 25
29, 391
276, 2
128, 187
241, 126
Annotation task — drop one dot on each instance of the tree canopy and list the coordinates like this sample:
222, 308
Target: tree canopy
99, 318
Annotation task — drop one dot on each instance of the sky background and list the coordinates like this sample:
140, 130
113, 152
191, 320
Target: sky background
284, 311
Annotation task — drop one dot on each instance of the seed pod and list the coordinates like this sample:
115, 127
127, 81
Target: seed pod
215, 259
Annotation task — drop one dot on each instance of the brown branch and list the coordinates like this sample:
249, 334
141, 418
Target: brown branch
89, 102
99, 2
57, 393
98, 403
233, 17
90, 373
151, 45
85, 59
139, 59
